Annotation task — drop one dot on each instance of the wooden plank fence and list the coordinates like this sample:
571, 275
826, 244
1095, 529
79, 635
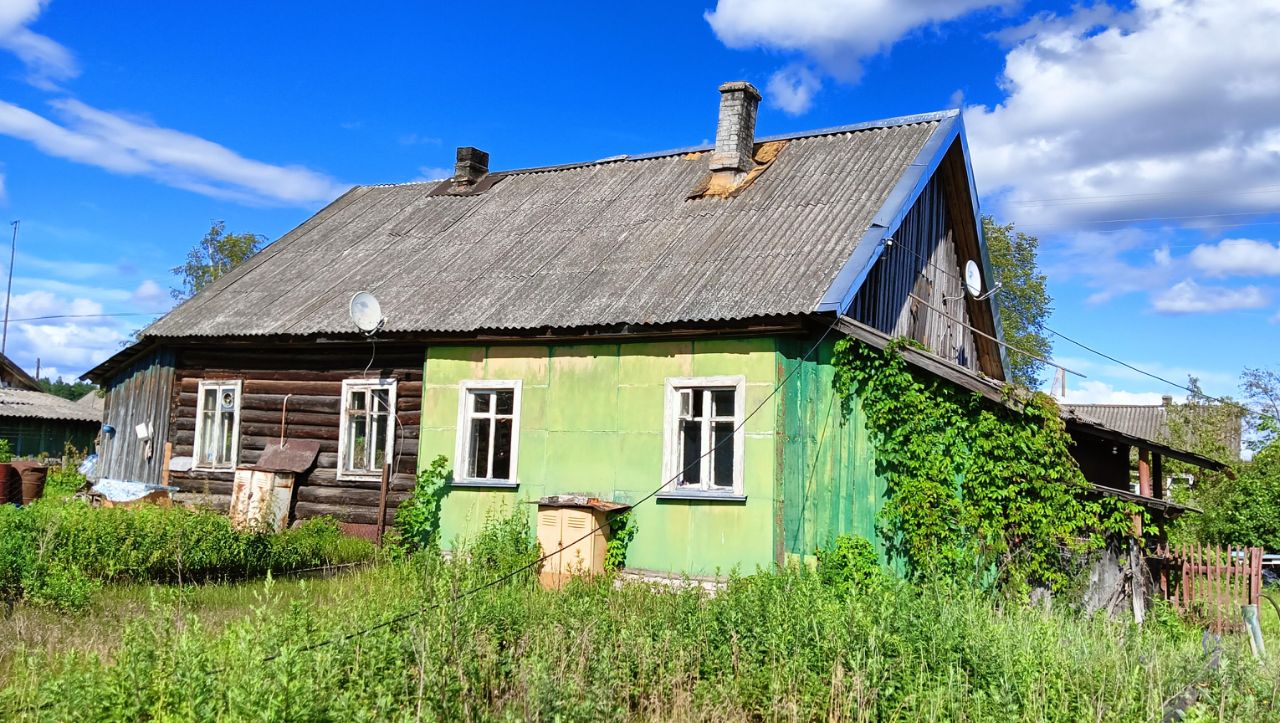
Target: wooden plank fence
1210, 582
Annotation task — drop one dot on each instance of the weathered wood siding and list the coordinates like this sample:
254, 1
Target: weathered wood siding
313, 375
922, 261
140, 393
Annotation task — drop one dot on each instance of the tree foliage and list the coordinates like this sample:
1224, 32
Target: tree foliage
214, 255
1245, 510
67, 390
1023, 299
971, 481
1262, 392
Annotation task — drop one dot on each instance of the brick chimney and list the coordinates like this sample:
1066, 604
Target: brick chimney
736, 130
471, 166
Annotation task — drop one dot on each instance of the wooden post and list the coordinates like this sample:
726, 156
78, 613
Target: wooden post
1158, 490
164, 469
382, 501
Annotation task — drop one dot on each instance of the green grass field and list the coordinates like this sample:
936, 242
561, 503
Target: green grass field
775, 646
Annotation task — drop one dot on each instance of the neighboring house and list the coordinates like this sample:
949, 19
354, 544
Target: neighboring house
37, 423
591, 328
1172, 423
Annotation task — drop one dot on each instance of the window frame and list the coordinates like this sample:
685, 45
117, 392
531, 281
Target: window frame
196, 450
462, 443
671, 464
348, 385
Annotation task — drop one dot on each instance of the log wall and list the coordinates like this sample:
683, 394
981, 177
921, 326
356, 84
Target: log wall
313, 375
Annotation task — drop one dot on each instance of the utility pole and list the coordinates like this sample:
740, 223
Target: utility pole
8, 292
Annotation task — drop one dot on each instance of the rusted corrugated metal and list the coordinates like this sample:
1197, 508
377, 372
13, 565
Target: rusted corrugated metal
138, 394
606, 243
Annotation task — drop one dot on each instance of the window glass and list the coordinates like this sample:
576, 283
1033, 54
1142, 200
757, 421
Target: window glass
368, 426
217, 424
491, 427
706, 438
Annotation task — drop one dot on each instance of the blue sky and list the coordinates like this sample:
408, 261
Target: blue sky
1138, 141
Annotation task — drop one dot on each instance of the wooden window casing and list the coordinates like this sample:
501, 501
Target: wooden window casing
366, 437
488, 433
217, 437
703, 436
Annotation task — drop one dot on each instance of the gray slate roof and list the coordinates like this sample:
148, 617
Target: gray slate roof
1148, 421
611, 242
39, 405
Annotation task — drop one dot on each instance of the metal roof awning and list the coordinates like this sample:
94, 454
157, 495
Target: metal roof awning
1149, 502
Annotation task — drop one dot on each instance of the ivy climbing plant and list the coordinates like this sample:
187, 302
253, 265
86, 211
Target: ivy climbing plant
970, 481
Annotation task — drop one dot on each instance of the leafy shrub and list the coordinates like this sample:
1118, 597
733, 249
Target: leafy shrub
622, 529
505, 543
71, 543
418, 518
63, 481
849, 563
6, 451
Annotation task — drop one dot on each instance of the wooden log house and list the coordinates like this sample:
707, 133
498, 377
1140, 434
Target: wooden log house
653, 323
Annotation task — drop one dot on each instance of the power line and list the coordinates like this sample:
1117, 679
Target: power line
1189, 390
1082, 345
512, 573
88, 316
1073, 200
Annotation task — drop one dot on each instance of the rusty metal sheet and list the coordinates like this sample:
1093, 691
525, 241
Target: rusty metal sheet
581, 501
260, 499
297, 455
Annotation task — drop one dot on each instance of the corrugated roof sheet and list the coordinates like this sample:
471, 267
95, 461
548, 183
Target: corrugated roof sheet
1139, 420
611, 242
39, 405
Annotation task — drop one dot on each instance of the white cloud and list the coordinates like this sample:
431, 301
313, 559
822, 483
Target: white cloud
433, 173
792, 89
1237, 257
64, 344
151, 295
135, 147
1167, 109
1093, 391
1188, 297
46, 60
836, 34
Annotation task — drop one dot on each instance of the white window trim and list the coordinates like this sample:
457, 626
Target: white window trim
670, 434
462, 451
235, 437
392, 428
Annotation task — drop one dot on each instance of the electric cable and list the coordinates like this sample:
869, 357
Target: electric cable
1082, 345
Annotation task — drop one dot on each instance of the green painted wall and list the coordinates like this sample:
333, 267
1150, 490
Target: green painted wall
592, 422
828, 477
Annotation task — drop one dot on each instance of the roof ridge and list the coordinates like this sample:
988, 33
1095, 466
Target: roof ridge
894, 122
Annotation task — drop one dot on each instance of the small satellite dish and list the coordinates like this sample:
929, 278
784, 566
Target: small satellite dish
972, 278
366, 312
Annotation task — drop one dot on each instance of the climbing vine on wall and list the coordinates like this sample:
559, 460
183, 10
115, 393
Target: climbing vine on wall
972, 481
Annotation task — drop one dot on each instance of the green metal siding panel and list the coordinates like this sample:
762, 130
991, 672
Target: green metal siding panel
829, 479
592, 422
30, 437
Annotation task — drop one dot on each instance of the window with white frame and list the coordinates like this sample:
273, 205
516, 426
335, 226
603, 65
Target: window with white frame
366, 439
217, 424
488, 431
704, 439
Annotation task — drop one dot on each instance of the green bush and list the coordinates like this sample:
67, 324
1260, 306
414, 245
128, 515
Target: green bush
849, 563
418, 518
73, 544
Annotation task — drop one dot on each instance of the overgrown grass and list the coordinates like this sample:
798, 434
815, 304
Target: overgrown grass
56, 553
779, 645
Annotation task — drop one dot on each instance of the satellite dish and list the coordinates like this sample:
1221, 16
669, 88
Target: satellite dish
366, 312
972, 278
